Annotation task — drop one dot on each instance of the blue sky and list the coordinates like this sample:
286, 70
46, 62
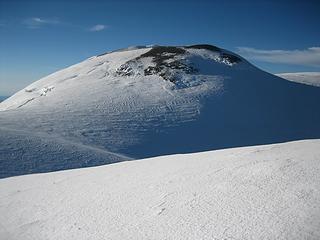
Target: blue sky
40, 37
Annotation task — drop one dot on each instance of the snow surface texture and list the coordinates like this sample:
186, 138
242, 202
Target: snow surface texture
150, 101
261, 192
310, 78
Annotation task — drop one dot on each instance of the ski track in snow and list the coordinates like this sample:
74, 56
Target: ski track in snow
261, 192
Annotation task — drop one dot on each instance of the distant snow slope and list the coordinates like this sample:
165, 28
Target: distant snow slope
22, 152
150, 101
261, 192
310, 78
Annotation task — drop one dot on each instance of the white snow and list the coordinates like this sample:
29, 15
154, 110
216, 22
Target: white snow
88, 114
261, 192
210, 55
88, 106
309, 78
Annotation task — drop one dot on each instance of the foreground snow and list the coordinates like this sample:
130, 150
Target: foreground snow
262, 192
309, 78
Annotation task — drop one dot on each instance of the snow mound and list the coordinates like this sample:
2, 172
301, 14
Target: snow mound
261, 192
155, 100
168, 63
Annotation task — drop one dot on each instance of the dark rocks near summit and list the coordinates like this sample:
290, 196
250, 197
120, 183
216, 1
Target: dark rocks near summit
168, 60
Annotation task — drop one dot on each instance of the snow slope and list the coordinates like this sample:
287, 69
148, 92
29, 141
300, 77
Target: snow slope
150, 101
310, 78
261, 192
22, 152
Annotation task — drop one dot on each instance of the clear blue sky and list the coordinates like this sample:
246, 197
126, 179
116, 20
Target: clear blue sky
40, 37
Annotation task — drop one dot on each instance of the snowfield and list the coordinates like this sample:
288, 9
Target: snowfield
150, 101
260, 192
310, 78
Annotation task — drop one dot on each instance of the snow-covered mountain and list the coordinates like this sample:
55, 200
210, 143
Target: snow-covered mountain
148, 101
261, 192
310, 78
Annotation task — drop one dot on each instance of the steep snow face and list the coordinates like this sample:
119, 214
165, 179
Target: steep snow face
261, 192
149, 101
310, 78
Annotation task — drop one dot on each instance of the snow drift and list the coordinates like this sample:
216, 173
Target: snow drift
149, 101
261, 192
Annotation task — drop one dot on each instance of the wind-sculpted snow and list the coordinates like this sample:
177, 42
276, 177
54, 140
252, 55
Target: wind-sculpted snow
151, 101
261, 192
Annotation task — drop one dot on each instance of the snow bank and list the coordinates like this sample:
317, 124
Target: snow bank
261, 192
